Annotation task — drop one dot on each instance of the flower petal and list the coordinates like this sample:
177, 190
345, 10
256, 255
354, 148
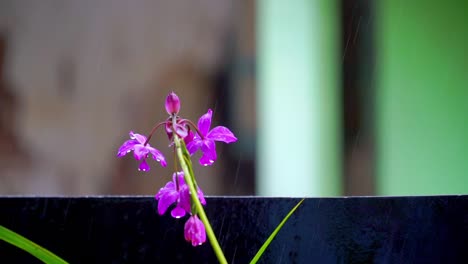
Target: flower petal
204, 122
194, 145
168, 128
157, 155
184, 198
178, 212
170, 186
172, 103
126, 147
181, 130
221, 133
166, 197
209, 153
140, 152
144, 166
140, 138
201, 196
180, 178
194, 231
188, 138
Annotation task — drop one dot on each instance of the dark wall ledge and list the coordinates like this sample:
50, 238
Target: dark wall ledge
431, 229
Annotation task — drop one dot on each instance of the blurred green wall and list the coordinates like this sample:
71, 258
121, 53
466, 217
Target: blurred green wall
298, 102
422, 97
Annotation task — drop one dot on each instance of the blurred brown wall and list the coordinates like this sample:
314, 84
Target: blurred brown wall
78, 75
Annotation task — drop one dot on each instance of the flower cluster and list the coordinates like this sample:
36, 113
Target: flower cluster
177, 191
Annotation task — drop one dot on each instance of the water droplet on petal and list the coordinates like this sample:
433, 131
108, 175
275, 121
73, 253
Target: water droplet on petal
158, 160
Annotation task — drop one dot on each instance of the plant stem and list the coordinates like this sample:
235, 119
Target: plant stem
194, 194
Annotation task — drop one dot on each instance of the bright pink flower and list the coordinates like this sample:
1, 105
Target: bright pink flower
194, 231
176, 191
140, 151
172, 104
206, 141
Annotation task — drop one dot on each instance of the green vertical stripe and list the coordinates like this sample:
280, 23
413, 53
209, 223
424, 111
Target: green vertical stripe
298, 113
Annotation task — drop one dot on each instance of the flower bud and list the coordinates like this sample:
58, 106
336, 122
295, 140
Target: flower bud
172, 103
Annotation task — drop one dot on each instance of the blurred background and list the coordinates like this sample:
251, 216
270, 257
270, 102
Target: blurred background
327, 97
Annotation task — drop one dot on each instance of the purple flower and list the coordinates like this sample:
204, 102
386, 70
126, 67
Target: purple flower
194, 231
180, 127
140, 151
172, 104
206, 141
176, 191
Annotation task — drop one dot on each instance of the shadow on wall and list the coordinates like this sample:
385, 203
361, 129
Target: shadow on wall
12, 155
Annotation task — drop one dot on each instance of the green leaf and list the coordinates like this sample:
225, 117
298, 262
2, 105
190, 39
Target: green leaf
34, 249
273, 235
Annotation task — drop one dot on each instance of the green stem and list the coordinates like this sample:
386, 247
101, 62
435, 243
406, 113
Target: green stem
194, 194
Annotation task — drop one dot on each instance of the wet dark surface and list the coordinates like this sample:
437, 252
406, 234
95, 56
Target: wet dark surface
323, 230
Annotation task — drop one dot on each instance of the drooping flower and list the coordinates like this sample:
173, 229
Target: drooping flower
172, 104
206, 141
176, 191
194, 231
141, 151
179, 125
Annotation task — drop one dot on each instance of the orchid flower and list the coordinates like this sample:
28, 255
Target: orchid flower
206, 139
194, 231
176, 191
141, 151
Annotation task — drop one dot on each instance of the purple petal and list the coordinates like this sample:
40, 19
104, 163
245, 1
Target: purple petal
126, 147
140, 152
180, 178
170, 186
178, 212
221, 133
204, 122
189, 138
140, 138
194, 231
168, 128
166, 196
201, 196
184, 198
181, 130
157, 155
194, 145
209, 153
144, 166
172, 103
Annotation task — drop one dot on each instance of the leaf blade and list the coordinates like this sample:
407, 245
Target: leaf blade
274, 233
27, 245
